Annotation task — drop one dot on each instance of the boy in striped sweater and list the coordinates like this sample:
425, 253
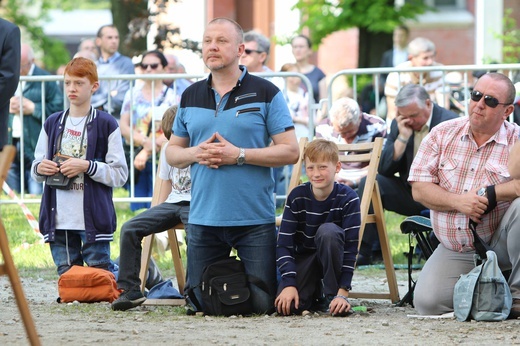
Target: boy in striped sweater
318, 238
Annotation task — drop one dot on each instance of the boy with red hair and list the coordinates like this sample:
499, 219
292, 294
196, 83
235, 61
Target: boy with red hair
79, 221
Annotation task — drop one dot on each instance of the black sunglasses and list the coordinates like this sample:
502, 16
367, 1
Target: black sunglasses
152, 66
490, 101
249, 51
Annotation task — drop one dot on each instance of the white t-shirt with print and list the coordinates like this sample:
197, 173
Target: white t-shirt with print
180, 179
69, 203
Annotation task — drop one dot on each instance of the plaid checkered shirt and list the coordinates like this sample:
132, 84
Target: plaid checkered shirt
450, 157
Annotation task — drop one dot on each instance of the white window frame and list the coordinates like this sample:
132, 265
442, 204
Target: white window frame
456, 16
458, 4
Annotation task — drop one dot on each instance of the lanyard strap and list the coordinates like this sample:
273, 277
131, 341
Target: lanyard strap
58, 147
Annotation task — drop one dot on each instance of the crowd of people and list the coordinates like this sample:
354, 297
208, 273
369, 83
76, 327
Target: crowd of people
229, 134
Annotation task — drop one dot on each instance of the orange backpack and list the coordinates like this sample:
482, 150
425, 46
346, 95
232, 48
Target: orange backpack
87, 285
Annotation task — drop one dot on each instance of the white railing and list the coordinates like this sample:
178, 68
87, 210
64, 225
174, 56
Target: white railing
465, 70
25, 198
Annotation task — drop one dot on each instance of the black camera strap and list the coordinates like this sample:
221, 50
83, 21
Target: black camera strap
480, 246
58, 144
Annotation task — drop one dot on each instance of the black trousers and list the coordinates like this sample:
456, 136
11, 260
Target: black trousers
396, 196
319, 272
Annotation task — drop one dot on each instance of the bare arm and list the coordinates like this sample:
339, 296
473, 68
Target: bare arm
436, 198
217, 151
514, 161
405, 133
178, 154
391, 112
284, 151
164, 189
124, 125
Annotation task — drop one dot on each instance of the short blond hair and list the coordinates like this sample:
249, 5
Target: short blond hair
321, 150
167, 121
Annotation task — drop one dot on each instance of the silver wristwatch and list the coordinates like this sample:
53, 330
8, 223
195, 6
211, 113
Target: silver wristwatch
241, 159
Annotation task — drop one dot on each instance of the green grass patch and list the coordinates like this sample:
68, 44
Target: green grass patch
34, 258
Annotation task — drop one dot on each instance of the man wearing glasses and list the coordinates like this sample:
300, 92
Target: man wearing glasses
454, 161
416, 116
256, 56
256, 52
109, 97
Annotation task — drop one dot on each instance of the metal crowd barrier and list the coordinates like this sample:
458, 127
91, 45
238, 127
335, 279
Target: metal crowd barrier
512, 70
26, 198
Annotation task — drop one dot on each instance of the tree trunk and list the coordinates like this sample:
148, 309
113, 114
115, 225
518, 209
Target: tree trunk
371, 47
131, 20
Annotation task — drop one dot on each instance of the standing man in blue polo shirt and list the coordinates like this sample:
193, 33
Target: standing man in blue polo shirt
109, 97
231, 129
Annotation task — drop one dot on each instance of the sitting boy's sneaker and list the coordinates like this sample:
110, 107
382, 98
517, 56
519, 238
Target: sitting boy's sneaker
322, 306
128, 300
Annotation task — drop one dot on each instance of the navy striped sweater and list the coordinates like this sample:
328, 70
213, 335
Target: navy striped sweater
302, 216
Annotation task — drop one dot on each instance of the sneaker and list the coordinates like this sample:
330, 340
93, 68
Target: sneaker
321, 306
128, 300
515, 309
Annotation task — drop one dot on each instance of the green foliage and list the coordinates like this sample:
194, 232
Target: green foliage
324, 17
80, 5
30, 254
54, 51
510, 39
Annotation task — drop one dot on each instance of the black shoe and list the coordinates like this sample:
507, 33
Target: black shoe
322, 306
515, 309
128, 300
377, 257
363, 260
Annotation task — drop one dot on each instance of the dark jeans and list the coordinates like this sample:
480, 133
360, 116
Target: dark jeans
14, 179
154, 220
255, 246
323, 265
70, 248
143, 187
396, 196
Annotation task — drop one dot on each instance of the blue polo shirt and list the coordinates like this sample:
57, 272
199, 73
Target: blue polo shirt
247, 116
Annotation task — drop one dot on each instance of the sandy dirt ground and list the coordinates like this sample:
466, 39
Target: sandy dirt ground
384, 324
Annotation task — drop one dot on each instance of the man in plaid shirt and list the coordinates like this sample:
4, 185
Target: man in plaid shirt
454, 161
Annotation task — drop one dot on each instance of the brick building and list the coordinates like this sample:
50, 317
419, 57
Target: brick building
461, 29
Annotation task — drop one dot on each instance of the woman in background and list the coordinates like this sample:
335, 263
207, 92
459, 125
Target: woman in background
302, 51
140, 99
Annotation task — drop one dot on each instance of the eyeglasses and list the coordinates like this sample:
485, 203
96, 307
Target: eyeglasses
249, 51
490, 101
152, 66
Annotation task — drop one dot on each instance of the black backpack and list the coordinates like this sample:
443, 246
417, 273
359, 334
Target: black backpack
226, 290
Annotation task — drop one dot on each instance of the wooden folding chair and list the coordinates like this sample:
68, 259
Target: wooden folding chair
366, 153
7, 267
175, 251
296, 173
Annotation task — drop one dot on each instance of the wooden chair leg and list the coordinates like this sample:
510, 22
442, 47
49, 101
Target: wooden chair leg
177, 261
145, 259
8, 268
378, 218
177, 264
385, 245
